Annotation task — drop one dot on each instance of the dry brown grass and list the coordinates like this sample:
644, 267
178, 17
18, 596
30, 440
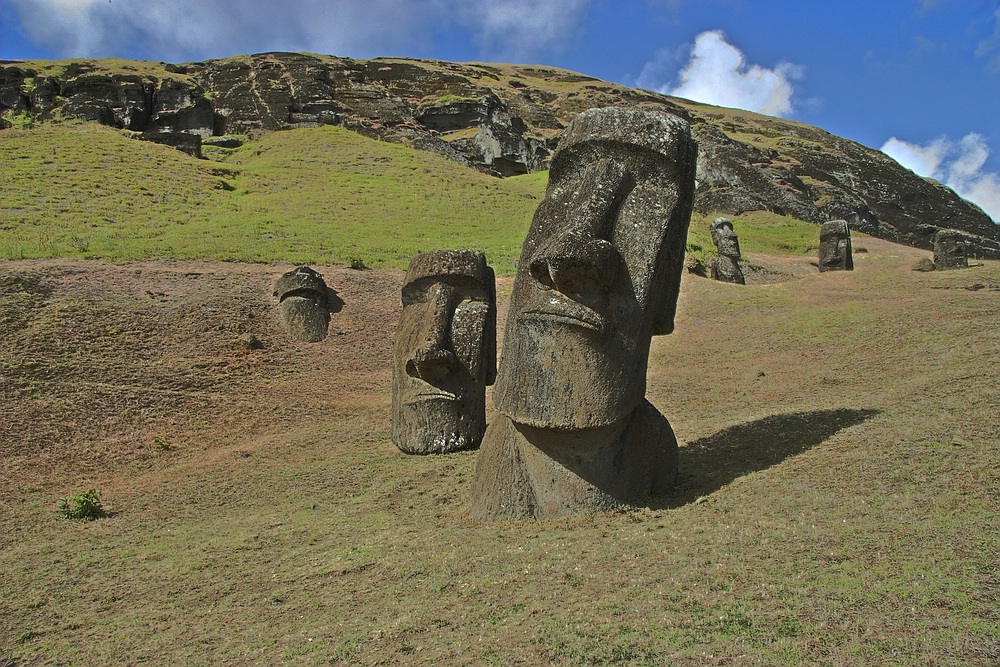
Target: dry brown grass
838, 503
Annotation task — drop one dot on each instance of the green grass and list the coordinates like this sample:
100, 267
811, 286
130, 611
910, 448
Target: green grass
323, 195
310, 195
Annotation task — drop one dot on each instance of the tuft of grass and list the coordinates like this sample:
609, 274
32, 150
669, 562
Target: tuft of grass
84, 506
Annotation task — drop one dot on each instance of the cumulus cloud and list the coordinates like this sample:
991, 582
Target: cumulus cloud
957, 164
195, 29
718, 73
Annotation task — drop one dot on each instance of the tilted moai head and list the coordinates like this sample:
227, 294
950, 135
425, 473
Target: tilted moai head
599, 275
950, 251
445, 352
835, 246
726, 266
302, 304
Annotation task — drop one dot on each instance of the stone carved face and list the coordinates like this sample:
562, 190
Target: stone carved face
835, 247
599, 272
445, 352
302, 304
950, 251
725, 239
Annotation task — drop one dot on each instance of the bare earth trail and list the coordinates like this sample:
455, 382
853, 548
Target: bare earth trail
838, 503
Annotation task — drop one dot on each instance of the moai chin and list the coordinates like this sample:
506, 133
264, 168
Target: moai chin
835, 246
950, 250
726, 265
445, 353
599, 275
302, 304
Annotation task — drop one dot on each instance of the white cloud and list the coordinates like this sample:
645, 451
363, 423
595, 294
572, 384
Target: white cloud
718, 73
516, 29
195, 29
957, 164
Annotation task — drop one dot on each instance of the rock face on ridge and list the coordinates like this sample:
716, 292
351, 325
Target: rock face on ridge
501, 119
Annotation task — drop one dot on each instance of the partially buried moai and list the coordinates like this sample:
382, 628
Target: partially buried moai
445, 353
599, 275
835, 246
726, 265
949, 250
302, 304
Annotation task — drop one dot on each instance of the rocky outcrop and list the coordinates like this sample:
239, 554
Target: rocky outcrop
501, 119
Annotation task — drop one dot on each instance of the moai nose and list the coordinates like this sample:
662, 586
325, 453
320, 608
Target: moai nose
433, 359
577, 266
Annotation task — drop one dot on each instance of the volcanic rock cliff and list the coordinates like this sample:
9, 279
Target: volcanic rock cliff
503, 119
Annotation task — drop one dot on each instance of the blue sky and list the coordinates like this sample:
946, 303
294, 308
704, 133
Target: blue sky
919, 79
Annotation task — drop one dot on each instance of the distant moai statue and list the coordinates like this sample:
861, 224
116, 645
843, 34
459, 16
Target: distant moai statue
950, 251
726, 265
302, 304
835, 246
599, 275
445, 353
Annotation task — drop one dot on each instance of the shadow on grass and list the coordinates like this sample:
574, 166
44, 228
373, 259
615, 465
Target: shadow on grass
708, 464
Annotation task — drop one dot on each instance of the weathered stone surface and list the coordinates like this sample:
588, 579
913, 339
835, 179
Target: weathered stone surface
599, 275
950, 250
445, 353
726, 265
302, 304
923, 264
835, 246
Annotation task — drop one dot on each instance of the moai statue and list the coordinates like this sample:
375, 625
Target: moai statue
835, 246
949, 250
599, 275
726, 265
302, 304
445, 353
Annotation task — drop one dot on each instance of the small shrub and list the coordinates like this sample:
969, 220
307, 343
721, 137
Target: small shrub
85, 506
358, 264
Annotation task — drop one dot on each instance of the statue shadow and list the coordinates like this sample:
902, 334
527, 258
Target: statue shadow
334, 304
709, 463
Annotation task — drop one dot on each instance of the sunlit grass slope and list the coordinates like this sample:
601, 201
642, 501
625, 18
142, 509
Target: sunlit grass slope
319, 195
310, 195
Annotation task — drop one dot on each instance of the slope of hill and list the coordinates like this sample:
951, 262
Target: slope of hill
838, 500
504, 119
309, 195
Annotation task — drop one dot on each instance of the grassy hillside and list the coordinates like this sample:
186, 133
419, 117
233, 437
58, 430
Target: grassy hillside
322, 195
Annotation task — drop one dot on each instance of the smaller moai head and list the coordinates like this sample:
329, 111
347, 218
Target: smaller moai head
445, 352
835, 246
724, 238
950, 250
302, 304
726, 266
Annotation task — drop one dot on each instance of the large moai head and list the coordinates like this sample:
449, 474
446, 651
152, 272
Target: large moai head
302, 304
835, 246
599, 275
445, 352
950, 251
600, 270
726, 266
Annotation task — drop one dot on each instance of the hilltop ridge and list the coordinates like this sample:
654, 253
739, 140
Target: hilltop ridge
501, 119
